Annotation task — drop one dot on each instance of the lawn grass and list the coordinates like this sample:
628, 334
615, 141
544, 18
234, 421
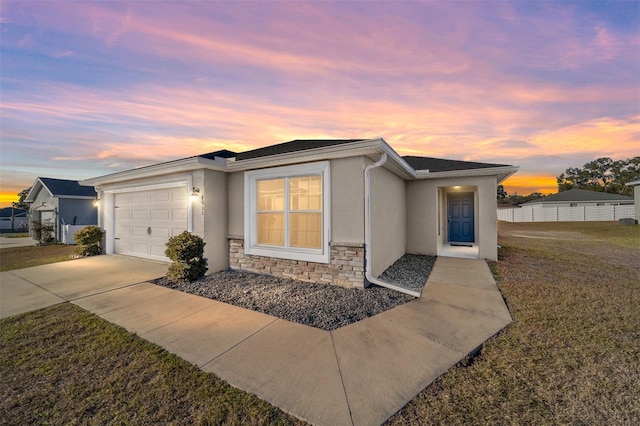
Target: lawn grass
28, 256
572, 354
64, 365
25, 235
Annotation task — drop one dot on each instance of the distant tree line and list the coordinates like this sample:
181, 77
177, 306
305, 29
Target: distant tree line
516, 199
602, 175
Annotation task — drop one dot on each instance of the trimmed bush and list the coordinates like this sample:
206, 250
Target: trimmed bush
42, 232
187, 254
88, 240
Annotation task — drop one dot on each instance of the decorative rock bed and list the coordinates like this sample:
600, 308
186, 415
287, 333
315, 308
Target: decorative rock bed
322, 306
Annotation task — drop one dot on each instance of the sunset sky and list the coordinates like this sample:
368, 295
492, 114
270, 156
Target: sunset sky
91, 88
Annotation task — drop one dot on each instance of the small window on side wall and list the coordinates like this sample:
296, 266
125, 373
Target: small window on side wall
287, 212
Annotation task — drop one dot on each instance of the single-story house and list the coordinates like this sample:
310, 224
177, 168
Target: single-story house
580, 197
13, 220
636, 196
60, 202
331, 211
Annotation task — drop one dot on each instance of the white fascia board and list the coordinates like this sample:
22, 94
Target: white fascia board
38, 183
397, 164
502, 172
186, 164
77, 197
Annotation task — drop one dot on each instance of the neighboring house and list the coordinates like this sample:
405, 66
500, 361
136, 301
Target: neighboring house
61, 202
636, 196
332, 211
580, 198
13, 220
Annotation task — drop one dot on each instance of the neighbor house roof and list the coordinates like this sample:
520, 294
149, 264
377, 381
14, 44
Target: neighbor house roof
581, 195
443, 165
61, 188
7, 212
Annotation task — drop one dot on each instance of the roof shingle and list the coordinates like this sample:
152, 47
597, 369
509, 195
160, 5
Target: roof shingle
292, 146
443, 165
62, 187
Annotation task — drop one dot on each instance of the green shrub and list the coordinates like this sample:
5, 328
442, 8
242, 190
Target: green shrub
187, 254
42, 232
88, 240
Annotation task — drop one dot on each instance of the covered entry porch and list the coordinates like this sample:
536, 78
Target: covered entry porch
458, 221
453, 217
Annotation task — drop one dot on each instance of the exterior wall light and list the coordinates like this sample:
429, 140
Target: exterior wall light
96, 202
195, 194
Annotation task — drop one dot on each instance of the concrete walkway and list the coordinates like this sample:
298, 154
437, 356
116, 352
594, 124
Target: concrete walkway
360, 374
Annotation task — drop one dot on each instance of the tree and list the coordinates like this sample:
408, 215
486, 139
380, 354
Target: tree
21, 203
602, 175
502, 194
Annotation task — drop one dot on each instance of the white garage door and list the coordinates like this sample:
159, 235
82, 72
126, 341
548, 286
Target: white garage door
145, 220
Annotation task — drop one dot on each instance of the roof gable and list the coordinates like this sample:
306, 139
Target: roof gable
444, 165
63, 188
292, 146
223, 153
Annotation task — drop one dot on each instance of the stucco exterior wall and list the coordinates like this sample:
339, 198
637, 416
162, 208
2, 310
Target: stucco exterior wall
214, 209
347, 199
422, 217
427, 214
43, 202
82, 210
636, 197
235, 191
388, 219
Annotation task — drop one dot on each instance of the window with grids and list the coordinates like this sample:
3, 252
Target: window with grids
287, 212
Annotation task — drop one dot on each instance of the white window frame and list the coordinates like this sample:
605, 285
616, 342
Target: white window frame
251, 246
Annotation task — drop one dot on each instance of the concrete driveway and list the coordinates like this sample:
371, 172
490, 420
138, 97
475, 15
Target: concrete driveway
360, 374
24, 290
6, 242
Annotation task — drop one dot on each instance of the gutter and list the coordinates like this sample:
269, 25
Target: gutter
367, 233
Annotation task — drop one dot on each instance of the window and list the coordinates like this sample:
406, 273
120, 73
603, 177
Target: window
287, 212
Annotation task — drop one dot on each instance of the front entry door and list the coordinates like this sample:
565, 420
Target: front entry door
460, 217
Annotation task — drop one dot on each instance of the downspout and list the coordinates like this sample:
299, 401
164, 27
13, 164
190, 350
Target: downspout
368, 229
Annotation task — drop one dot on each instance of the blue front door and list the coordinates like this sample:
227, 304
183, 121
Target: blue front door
461, 221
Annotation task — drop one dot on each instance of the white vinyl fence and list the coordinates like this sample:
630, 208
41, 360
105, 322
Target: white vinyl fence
567, 214
68, 232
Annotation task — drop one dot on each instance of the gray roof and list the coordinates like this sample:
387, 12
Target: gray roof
292, 146
63, 187
443, 165
578, 195
223, 153
6, 212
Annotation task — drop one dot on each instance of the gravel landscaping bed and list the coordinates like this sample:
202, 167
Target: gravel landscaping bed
322, 306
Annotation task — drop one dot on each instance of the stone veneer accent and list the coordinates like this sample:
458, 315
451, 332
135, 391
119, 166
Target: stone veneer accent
346, 268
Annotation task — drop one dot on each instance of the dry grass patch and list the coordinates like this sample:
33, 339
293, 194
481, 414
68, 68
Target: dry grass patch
572, 354
64, 365
25, 257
